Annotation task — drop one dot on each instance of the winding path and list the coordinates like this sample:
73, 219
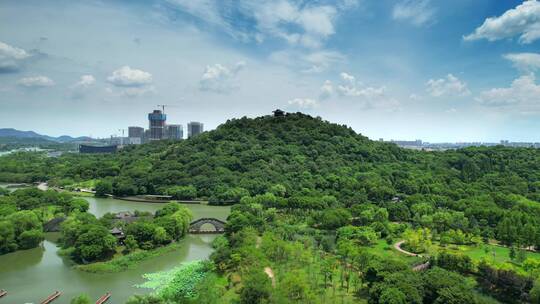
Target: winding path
419, 267
397, 246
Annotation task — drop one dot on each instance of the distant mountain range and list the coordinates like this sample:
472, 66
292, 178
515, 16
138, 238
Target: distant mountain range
10, 132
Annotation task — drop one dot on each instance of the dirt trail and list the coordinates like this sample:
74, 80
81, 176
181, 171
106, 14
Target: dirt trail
270, 273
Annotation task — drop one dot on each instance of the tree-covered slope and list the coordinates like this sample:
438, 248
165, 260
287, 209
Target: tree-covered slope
297, 151
305, 155
309, 192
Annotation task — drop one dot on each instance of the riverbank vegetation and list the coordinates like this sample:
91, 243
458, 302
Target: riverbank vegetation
24, 212
123, 262
318, 209
87, 239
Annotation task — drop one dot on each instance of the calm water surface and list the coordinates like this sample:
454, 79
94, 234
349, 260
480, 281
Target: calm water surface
30, 276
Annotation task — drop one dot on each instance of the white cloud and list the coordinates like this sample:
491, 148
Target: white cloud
449, 86
211, 12
306, 25
128, 77
80, 88
304, 103
368, 92
523, 95
11, 57
522, 21
327, 90
418, 12
524, 61
86, 81
367, 96
310, 62
298, 23
132, 82
219, 78
36, 82
350, 88
347, 78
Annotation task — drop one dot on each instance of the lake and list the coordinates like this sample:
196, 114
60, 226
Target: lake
29, 276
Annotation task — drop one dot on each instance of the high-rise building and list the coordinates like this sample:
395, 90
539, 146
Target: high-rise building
135, 135
195, 128
175, 132
156, 125
135, 132
146, 136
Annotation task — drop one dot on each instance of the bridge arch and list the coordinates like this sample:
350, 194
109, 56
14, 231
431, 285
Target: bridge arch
197, 225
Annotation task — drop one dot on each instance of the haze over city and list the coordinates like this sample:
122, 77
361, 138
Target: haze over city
436, 70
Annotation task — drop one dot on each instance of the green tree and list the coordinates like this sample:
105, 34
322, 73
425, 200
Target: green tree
130, 243
8, 242
94, 244
78, 204
257, 288
512, 253
103, 187
535, 292
363, 236
392, 296
146, 299
30, 239
183, 192
278, 190
24, 220
331, 219
161, 237
294, 288
209, 290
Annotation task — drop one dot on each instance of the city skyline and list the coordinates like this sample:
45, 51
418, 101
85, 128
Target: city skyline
438, 71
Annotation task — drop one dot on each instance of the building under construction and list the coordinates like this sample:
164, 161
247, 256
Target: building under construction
158, 129
156, 125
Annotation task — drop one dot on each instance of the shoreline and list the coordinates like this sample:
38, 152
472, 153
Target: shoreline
128, 261
143, 200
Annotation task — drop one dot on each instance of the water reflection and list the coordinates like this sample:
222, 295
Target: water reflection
31, 275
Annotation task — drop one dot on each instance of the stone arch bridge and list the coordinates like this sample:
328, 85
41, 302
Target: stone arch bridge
196, 226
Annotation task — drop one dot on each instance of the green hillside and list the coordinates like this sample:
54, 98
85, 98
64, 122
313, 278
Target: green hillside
322, 207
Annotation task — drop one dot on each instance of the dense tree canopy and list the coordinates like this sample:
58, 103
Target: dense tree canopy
309, 192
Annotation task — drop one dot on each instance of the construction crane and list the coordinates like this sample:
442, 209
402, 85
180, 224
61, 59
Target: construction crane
163, 107
122, 138
166, 105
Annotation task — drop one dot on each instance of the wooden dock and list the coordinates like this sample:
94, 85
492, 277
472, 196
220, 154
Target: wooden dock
51, 298
104, 298
2, 293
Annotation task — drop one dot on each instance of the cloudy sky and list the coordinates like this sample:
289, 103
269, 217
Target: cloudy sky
456, 70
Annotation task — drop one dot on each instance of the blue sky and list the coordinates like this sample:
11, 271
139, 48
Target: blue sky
435, 70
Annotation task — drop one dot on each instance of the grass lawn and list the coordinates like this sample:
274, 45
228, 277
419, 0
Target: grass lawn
75, 193
496, 253
88, 184
384, 250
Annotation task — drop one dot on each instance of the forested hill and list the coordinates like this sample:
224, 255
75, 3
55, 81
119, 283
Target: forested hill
306, 156
297, 151
298, 180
